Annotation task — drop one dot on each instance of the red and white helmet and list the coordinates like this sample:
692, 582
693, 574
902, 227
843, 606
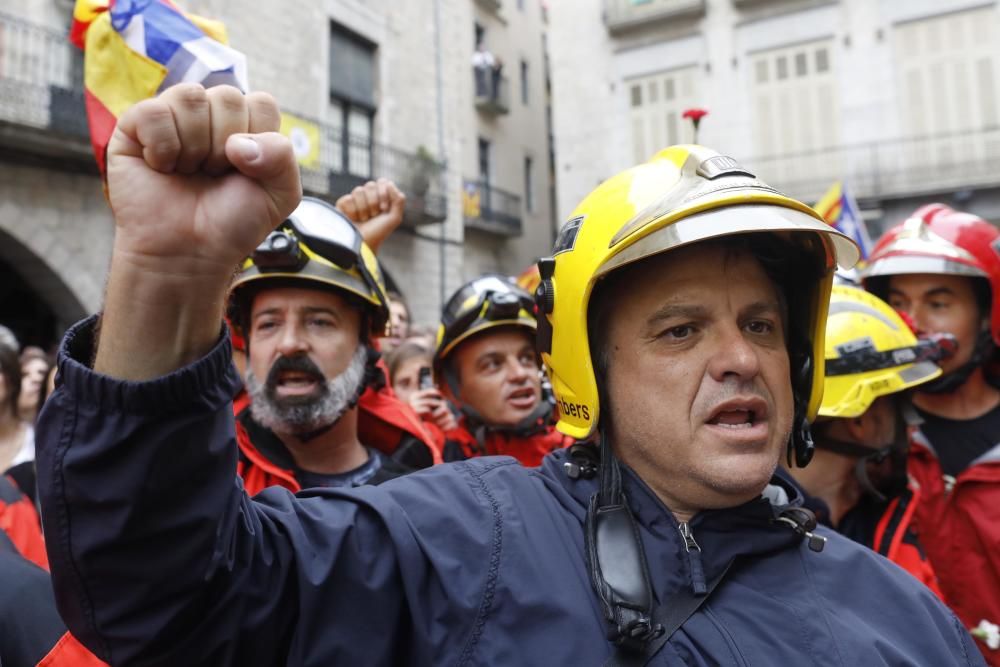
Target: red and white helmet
939, 239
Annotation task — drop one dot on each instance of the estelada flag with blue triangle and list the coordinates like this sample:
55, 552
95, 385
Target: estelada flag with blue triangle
134, 49
841, 212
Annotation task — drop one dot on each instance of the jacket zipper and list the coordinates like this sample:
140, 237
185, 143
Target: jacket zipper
698, 585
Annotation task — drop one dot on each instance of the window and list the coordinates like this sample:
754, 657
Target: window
822, 60
352, 67
529, 190
947, 67
801, 65
480, 32
637, 95
484, 160
761, 71
352, 99
657, 102
795, 111
524, 82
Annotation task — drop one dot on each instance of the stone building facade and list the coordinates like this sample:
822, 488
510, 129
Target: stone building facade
377, 88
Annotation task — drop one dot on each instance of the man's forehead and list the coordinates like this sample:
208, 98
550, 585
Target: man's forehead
298, 298
689, 273
918, 284
496, 341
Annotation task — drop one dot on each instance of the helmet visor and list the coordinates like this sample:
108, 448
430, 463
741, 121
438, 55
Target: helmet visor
334, 237
739, 219
488, 299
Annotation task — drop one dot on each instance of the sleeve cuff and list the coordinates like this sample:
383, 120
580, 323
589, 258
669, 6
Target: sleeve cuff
206, 384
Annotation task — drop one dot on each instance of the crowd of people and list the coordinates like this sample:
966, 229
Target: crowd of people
693, 440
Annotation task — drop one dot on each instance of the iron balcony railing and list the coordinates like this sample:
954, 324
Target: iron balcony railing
624, 15
492, 90
347, 161
42, 114
41, 94
491, 209
888, 169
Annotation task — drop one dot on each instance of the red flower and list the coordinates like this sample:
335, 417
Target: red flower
695, 114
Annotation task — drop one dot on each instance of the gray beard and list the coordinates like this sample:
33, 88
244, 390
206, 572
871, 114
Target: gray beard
298, 417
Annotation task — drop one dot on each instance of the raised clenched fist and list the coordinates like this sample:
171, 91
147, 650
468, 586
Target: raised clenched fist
376, 208
197, 178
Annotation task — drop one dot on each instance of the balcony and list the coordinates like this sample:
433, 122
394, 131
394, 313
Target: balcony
890, 169
621, 16
491, 209
492, 91
43, 120
346, 162
490, 5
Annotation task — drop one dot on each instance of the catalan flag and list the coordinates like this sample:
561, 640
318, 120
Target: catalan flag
134, 49
841, 212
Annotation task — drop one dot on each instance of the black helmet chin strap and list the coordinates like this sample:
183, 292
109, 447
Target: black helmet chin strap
800, 445
895, 452
617, 562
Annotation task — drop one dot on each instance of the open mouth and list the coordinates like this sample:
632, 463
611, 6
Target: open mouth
296, 383
522, 398
739, 414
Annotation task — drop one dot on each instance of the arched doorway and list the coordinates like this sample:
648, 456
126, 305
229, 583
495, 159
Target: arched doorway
34, 302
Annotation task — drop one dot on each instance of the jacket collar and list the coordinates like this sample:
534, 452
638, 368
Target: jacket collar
751, 530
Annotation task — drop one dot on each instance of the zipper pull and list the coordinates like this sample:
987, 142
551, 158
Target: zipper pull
698, 585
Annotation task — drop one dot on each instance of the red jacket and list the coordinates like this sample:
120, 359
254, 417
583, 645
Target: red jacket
19, 520
384, 423
529, 450
896, 538
959, 523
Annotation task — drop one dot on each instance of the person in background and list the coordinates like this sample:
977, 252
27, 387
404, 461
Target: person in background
35, 366
486, 366
17, 437
309, 303
424, 335
31, 631
941, 267
399, 323
410, 371
857, 481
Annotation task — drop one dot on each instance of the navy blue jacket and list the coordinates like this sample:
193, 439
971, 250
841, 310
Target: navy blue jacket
159, 557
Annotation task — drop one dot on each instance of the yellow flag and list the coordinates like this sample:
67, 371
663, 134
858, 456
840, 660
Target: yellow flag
304, 135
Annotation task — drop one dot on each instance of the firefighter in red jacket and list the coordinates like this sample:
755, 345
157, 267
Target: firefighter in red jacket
486, 365
942, 267
309, 304
857, 481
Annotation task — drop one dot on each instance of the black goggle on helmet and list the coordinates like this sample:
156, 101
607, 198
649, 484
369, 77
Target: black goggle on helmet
316, 245
487, 302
